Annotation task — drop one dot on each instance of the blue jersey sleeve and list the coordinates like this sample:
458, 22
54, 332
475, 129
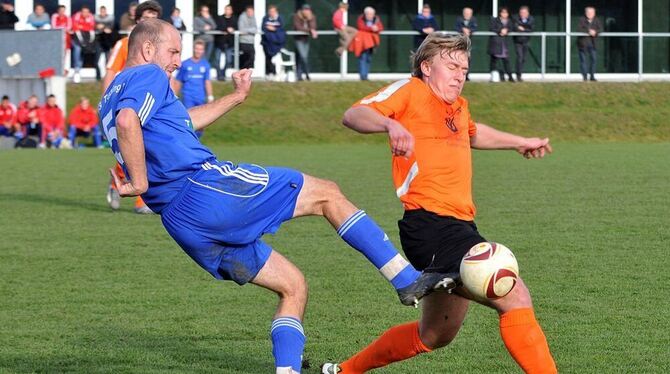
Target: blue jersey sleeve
145, 92
208, 68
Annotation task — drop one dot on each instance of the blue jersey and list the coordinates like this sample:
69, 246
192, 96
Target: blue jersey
172, 149
193, 76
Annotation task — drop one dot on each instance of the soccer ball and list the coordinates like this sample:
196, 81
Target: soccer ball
489, 271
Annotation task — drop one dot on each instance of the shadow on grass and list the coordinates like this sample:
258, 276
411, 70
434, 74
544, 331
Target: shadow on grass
54, 200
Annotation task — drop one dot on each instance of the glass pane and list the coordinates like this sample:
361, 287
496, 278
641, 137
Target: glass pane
656, 55
614, 55
655, 16
616, 16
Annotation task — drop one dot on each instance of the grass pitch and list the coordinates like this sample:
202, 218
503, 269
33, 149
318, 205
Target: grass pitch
83, 289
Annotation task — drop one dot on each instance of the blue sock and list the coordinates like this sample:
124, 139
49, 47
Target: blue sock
362, 233
288, 342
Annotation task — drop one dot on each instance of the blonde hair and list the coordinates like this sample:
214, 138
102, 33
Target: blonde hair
438, 43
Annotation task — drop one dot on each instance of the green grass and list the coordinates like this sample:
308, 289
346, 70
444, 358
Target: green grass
311, 112
86, 290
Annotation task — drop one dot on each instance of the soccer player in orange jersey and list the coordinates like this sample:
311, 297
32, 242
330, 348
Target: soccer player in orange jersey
431, 134
117, 60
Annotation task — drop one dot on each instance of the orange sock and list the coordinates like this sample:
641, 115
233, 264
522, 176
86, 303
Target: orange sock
139, 202
526, 342
396, 344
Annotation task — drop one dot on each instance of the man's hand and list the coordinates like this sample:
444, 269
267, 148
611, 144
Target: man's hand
402, 141
534, 148
428, 30
125, 188
242, 82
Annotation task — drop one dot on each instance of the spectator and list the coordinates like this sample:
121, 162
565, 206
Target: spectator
53, 124
346, 32
225, 44
425, 24
305, 21
7, 16
466, 25
193, 79
38, 19
83, 41
7, 117
176, 20
524, 22
104, 28
369, 26
591, 25
498, 48
273, 38
28, 118
248, 29
60, 20
202, 24
83, 122
127, 20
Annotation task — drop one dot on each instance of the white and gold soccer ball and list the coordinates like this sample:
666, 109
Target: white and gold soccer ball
489, 271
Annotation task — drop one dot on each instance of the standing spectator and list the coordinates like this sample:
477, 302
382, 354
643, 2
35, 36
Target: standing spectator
248, 29
53, 124
524, 22
176, 20
466, 24
83, 31
225, 44
28, 118
7, 16
104, 28
202, 24
346, 32
425, 24
193, 79
7, 117
369, 26
83, 121
498, 48
273, 38
38, 19
305, 21
591, 25
60, 20
127, 20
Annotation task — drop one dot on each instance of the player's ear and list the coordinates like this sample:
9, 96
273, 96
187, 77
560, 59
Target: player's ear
148, 50
426, 68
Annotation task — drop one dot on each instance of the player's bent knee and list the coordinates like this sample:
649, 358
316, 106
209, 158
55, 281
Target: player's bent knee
519, 297
437, 338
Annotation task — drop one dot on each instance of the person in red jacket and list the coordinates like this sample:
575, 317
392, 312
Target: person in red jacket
7, 117
60, 20
53, 124
369, 26
83, 121
83, 30
28, 118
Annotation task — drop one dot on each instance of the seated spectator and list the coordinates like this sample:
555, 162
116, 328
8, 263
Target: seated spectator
83, 30
176, 20
7, 16
366, 40
83, 122
28, 118
53, 124
7, 117
425, 24
38, 19
127, 20
346, 32
273, 38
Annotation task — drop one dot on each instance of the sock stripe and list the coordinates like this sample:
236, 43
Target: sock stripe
287, 322
393, 267
350, 222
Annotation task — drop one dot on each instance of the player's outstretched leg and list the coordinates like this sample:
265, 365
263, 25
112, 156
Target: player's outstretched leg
286, 331
354, 226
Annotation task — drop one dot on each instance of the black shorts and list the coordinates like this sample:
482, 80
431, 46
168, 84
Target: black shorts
436, 243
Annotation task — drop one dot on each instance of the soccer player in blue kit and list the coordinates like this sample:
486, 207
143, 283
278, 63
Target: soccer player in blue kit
193, 80
218, 211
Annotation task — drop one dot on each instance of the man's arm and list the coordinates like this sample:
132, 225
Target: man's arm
131, 145
367, 121
489, 138
175, 84
204, 115
209, 91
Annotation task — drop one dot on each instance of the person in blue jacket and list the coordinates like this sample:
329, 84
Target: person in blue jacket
273, 39
425, 24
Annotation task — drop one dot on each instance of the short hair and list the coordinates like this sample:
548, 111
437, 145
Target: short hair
5, 97
438, 43
426, 6
103, 7
83, 98
84, 7
61, 6
50, 96
272, 6
149, 30
149, 5
38, 4
503, 8
524, 7
199, 42
249, 7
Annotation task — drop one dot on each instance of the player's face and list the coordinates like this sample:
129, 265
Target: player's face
168, 51
198, 51
148, 14
51, 101
32, 102
85, 104
445, 74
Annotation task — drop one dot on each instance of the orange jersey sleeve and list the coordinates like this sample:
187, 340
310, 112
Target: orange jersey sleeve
118, 56
391, 101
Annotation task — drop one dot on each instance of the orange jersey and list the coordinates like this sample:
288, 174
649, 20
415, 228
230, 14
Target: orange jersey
119, 55
438, 176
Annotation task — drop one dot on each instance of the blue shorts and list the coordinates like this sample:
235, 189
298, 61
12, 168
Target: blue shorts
223, 210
